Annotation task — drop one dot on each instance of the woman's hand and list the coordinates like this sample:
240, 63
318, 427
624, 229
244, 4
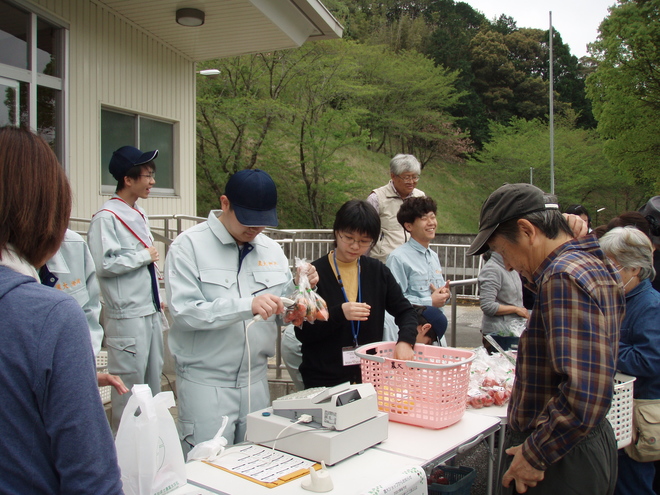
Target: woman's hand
354, 311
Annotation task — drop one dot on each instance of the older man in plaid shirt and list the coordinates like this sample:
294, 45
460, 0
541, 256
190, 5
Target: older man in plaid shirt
559, 440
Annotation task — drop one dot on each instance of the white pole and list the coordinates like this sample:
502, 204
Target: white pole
552, 117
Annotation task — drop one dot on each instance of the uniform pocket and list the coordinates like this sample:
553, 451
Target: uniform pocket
270, 278
121, 355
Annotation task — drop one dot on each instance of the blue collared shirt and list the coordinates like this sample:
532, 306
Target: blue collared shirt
415, 268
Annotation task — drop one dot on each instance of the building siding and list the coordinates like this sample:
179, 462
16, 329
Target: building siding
113, 63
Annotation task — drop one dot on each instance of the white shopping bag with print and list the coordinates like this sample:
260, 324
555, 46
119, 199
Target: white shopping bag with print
148, 447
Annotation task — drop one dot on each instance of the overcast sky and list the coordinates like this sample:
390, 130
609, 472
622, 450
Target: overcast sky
576, 21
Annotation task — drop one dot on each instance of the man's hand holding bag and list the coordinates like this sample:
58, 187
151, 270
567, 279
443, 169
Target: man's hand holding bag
148, 447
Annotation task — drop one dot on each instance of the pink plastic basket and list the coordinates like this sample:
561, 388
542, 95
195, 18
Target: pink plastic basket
430, 391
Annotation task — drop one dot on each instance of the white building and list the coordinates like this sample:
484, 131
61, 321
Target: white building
94, 75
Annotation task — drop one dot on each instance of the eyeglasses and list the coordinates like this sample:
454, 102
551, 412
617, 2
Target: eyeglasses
411, 179
348, 240
149, 176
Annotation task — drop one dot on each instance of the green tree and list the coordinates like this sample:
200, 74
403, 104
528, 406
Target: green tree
407, 101
582, 172
625, 88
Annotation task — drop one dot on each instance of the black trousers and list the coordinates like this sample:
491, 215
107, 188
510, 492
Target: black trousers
590, 468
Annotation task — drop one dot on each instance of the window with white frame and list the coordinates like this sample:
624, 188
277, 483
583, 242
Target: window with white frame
31, 73
120, 128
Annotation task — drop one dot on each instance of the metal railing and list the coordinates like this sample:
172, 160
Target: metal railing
310, 244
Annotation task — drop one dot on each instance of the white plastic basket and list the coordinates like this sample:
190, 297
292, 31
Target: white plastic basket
430, 391
102, 367
621, 412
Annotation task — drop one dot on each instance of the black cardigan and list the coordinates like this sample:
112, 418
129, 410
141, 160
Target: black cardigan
322, 341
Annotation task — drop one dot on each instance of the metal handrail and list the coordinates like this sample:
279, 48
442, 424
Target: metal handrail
454, 307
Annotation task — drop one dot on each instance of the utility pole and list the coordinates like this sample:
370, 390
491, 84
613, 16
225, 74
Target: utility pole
552, 116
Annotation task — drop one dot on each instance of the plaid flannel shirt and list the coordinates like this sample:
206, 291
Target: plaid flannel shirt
567, 356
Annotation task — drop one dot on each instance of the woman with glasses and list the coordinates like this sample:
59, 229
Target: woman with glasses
404, 174
639, 344
358, 291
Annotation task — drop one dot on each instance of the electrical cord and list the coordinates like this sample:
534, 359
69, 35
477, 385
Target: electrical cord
287, 302
304, 418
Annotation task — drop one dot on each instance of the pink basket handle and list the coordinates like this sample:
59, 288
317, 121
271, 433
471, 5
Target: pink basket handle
410, 364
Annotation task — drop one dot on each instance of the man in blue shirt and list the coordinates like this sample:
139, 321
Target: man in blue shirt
414, 265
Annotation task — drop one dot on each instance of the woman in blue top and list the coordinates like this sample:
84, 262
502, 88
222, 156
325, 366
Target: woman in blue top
54, 435
639, 345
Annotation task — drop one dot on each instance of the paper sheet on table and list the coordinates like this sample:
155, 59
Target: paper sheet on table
409, 481
262, 465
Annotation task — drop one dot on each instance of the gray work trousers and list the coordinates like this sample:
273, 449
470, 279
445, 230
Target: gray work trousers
135, 353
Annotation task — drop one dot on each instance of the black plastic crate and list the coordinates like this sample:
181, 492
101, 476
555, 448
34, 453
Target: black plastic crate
460, 481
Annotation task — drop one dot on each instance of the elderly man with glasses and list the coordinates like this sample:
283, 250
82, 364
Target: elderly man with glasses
404, 173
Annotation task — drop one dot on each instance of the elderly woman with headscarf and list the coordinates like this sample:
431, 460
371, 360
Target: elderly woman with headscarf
639, 347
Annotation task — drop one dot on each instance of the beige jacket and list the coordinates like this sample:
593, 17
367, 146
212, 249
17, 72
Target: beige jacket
392, 234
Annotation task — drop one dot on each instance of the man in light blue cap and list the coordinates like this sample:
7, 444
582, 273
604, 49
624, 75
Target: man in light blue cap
219, 275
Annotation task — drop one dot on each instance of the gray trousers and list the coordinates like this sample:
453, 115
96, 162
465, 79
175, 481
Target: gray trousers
135, 353
201, 408
590, 468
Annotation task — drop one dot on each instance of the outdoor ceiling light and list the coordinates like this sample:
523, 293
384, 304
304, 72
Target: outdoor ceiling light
212, 73
190, 17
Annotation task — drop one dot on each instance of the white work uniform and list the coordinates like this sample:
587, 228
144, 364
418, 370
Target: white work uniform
133, 329
210, 300
73, 272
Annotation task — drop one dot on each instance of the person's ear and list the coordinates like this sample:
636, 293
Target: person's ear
224, 203
422, 329
527, 230
408, 226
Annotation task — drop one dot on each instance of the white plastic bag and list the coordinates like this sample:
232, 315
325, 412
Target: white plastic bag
211, 449
148, 448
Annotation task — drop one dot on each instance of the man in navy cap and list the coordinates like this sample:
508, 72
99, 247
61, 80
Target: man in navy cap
219, 276
122, 247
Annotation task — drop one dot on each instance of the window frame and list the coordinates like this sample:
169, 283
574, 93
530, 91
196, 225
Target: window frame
33, 78
155, 191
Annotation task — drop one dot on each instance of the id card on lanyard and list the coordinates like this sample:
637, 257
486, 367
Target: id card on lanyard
349, 358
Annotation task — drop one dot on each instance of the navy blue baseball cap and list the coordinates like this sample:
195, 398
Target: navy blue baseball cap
436, 318
253, 197
127, 157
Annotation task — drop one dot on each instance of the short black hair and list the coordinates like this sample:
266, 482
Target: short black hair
358, 216
579, 210
414, 208
135, 172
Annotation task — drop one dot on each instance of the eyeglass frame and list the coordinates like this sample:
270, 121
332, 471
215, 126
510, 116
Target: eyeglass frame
353, 240
150, 176
409, 180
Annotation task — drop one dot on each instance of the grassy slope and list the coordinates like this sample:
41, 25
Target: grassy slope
458, 195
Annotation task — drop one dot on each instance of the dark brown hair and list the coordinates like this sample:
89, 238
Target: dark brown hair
414, 208
631, 218
35, 196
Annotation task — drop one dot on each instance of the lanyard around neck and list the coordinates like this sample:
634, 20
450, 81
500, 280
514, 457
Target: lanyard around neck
355, 325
